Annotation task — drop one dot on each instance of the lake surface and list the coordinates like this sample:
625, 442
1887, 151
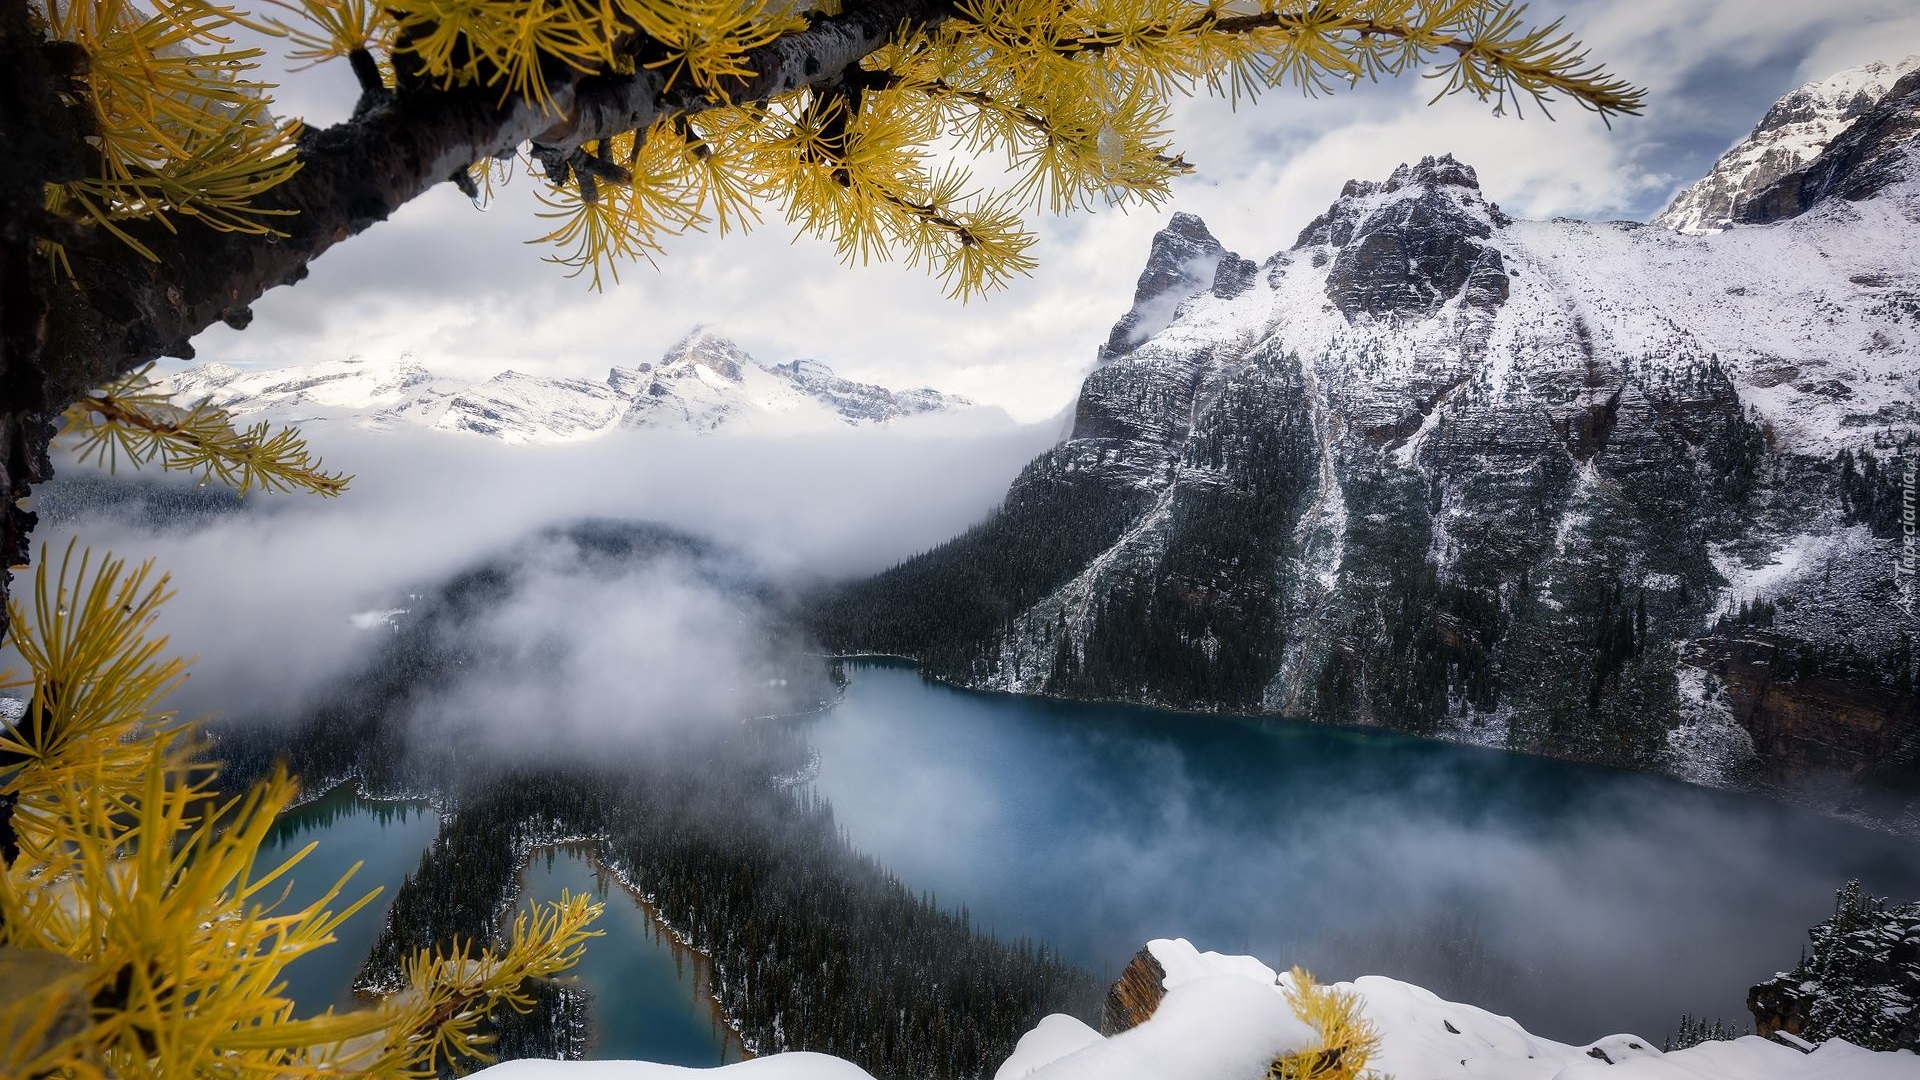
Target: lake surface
386, 838
651, 1001
1581, 900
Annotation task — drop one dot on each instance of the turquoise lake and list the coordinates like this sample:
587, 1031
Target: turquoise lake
1583, 901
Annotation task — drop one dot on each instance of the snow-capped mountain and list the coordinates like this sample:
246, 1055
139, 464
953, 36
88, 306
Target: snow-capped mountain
1793, 132
704, 383
1603, 491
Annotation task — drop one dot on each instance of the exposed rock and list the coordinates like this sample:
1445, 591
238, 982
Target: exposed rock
1492, 496
1794, 131
1815, 731
1859, 981
1233, 276
1135, 995
1412, 244
1180, 264
1873, 152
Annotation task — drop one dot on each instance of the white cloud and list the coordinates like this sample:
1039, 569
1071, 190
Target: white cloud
267, 599
462, 292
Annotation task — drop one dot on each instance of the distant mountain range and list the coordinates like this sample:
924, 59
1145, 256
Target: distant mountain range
704, 383
1606, 491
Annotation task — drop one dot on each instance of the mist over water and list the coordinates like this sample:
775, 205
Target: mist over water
1583, 901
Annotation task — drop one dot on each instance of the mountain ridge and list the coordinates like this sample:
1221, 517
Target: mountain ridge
703, 383
1601, 491
1798, 126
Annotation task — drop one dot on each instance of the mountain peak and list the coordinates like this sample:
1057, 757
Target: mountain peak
1794, 131
1180, 264
1412, 243
1876, 150
704, 382
804, 368
704, 347
1442, 171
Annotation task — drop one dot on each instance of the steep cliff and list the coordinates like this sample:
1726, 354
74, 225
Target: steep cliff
1492, 480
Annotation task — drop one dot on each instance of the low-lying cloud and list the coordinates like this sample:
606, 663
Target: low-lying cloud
268, 598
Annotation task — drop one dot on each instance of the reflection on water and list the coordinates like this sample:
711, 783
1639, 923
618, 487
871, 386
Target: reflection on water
386, 838
651, 1000
1580, 900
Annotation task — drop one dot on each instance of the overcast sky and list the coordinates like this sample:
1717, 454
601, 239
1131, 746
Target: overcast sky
461, 291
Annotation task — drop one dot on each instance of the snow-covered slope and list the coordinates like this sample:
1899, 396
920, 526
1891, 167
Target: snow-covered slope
1226, 1017
703, 383
326, 389
1794, 131
1435, 469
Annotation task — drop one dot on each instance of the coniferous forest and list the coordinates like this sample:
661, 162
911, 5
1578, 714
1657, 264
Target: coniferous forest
813, 945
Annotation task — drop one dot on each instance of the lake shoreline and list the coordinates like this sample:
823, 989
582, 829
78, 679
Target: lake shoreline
1907, 828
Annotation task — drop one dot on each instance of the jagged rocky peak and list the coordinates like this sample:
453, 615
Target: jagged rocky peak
1880, 147
1794, 132
1181, 264
804, 369
858, 402
1412, 244
704, 347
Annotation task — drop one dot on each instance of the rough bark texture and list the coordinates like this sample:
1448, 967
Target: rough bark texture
58, 340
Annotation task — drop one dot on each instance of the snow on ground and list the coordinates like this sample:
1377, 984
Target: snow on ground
1709, 747
775, 1067
1226, 1017
1799, 557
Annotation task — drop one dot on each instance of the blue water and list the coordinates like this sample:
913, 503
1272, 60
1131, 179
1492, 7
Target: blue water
650, 999
387, 839
1580, 900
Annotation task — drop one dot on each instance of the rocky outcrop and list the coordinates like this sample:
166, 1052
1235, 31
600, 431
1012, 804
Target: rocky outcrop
1412, 244
1135, 995
1437, 470
1812, 731
1858, 981
1180, 265
1794, 131
1873, 152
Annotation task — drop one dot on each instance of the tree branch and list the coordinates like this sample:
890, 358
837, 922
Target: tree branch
129, 310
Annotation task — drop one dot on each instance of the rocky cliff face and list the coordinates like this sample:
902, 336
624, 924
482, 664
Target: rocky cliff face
1134, 996
1873, 152
1490, 480
1797, 128
1859, 981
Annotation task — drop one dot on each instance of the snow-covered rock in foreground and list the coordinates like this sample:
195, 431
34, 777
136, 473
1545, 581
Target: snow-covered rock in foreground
1226, 1017
704, 383
1793, 133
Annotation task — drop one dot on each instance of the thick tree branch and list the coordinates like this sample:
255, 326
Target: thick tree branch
128, 310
